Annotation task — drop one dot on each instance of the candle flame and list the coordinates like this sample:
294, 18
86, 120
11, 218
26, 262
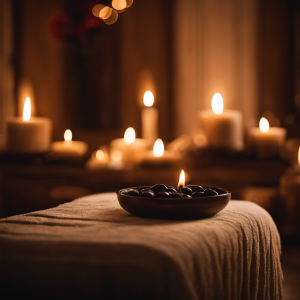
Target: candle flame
129, 136
148, 99
100, 155
27, 110
299, 156
158, 148
68, 135
264, 125
217, 103
181, 179
116, 155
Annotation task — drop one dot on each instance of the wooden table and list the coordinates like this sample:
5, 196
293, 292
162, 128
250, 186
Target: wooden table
33, 183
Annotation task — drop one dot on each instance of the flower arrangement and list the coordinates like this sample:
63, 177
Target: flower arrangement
75, 28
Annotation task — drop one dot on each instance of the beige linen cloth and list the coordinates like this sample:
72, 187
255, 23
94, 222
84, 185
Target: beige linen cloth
91, 248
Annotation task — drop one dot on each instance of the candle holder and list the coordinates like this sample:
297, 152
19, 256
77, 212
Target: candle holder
173, 208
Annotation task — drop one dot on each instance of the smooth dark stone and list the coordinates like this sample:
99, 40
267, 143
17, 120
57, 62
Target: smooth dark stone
171, 187
159, 188
148, 193
132, 192
186, 190
198, 194
171, 190
144, 190
163, 194
196, 188
210, 192
175, 195
186, 196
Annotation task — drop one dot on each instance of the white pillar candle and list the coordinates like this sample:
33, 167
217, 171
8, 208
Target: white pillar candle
68, 148
28, 135
149, 119
223, 129
265, 141
129, 147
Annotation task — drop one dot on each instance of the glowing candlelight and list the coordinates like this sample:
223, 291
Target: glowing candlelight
217, 104
149, 118
28, 134
116, 155
100, 155
129, 136
68, 135
148, 99
181, 182
264, 125
158, 148
27, 110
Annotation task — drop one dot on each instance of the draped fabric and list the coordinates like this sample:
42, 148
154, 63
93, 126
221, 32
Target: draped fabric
92, 248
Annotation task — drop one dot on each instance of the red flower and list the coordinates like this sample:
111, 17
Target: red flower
90, 22
59, 25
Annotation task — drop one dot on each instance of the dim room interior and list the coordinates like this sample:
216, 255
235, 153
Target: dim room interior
149, 149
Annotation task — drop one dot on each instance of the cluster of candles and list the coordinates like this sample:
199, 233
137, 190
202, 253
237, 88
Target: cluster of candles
32, 135
223, 129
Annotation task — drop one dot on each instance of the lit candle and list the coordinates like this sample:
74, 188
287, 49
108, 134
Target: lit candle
158, 156
100, 159
181, 182
223, 128
149, 119
129, 146
28, 134
68, 148
266, 141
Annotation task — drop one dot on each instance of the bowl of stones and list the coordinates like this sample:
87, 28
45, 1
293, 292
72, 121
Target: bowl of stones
165, 202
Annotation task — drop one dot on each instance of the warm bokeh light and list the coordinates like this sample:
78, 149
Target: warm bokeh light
264, 125
217, 103
158, 148
299, 156
27, 110
96, 9
148, 99
129, 135
112, 18
105, 12
119, 4
116, 155
68, 135
181, 179
129, 3
100, 155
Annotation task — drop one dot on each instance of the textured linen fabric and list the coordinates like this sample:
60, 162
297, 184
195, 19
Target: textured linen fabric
92, 248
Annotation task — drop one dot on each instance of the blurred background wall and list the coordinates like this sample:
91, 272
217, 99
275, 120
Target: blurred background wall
184, 51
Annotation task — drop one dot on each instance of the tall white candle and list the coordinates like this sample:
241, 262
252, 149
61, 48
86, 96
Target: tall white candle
149, 119
129, 147
28, 135
223, 129
266, 141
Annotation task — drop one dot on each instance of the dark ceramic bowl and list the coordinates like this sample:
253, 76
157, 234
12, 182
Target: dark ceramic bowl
174, 208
